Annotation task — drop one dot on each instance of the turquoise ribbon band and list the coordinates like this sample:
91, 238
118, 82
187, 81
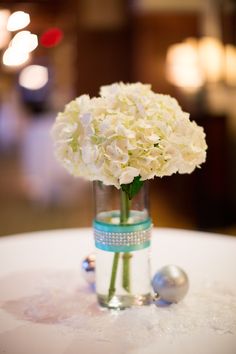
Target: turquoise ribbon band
122, 238
123, 249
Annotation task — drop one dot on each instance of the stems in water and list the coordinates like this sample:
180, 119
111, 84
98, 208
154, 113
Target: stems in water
112, 288
126, 271
124, 216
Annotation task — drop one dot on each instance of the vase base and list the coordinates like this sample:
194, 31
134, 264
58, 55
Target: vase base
121, 302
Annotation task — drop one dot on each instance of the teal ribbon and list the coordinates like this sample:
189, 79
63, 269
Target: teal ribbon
123, 249
135, 231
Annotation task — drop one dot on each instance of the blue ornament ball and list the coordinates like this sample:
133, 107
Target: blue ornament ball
88, 269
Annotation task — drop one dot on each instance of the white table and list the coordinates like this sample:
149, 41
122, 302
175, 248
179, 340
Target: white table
46, 306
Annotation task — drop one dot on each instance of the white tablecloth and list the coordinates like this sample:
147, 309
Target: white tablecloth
46, 306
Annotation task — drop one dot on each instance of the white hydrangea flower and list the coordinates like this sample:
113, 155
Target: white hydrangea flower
125, 132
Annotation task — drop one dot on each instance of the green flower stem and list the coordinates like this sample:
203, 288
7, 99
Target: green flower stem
125, 206
112, 288
124, 215
126, 271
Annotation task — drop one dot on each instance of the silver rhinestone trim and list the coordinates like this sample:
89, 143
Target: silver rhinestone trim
122, 238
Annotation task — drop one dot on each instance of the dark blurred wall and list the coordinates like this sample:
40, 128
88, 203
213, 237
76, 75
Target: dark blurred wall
103, 44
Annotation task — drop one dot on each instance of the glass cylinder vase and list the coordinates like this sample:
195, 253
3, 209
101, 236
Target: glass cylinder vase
122, 231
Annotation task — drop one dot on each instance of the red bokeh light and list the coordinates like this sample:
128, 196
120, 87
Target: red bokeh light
51, 37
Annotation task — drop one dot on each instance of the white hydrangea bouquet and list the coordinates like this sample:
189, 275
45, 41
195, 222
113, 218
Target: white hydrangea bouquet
127, 135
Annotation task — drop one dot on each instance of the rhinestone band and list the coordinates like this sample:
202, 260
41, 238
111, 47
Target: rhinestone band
122, 241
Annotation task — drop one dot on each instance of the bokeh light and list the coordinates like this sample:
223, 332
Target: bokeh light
18, 20
183, 66
4, 38
25, 41
4, 34
13, 57
211, 54
33, 77
51, 37
4, 15
230, 65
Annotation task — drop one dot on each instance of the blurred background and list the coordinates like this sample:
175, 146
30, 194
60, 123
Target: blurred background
52, 51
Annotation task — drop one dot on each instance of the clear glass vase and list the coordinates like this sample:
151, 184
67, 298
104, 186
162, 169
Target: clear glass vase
122, 231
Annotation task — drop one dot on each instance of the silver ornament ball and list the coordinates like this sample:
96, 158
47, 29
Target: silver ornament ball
170, 284
88, 268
